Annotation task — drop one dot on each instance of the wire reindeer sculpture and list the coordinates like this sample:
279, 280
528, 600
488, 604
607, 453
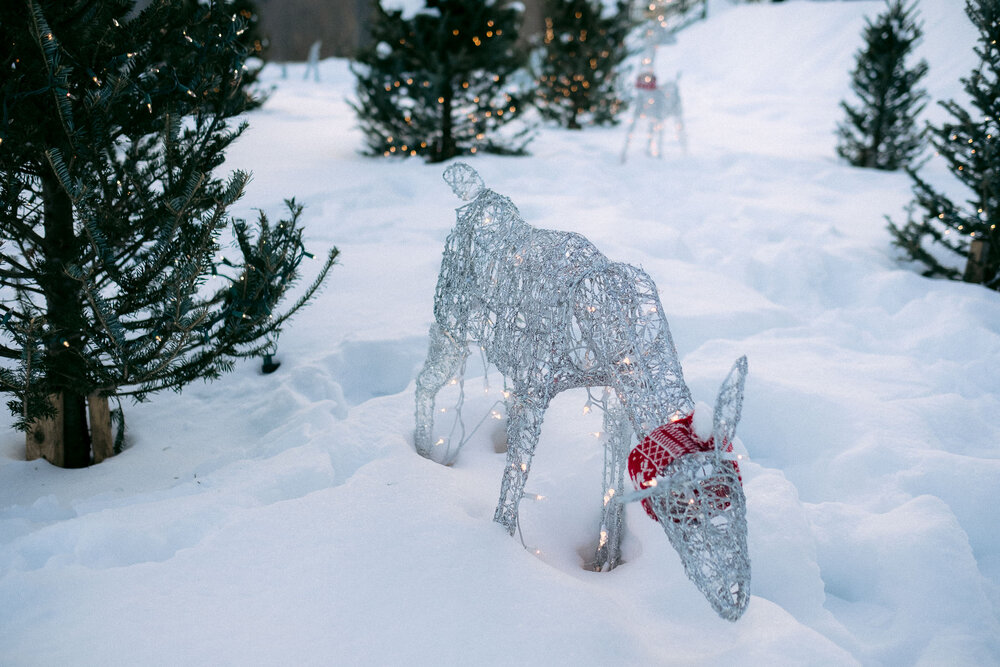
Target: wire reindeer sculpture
657, 103
551, 313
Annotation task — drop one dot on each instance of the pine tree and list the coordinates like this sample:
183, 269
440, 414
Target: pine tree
253, 38
969, 144
437, 84
881, 132
255, 44
115, 278
583, 49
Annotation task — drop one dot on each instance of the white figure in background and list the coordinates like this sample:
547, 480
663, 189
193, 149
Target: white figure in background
553, 313
312, 63
657, 104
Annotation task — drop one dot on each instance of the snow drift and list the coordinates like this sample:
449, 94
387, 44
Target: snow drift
286, 519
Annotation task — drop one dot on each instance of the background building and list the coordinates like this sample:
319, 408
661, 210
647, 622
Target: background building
291, 26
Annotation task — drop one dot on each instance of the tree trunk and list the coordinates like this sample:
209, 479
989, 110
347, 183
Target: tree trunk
573, 123
447, 148
76, 438
66, 368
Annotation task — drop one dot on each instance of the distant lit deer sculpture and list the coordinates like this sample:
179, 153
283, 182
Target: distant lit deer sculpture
657, 104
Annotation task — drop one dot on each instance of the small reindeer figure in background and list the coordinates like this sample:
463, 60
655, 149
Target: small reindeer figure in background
312, 62
553, 313
657, 104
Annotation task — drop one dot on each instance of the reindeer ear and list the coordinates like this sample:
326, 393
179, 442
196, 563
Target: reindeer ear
729, 404
465, 181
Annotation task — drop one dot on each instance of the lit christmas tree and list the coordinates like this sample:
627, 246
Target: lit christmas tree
578, 68
969, 144
881, 132
663, 18
255, 43
114, 278
437, 84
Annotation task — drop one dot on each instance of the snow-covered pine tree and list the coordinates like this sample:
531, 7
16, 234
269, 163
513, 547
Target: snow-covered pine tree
115, 275
578, 63
438, 83
970, 145
881, 132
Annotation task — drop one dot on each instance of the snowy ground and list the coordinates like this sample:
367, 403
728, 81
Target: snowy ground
285, 519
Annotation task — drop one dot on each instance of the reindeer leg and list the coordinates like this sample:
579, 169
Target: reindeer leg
681, 132
628, 136
524, 424
618, 431
445, 356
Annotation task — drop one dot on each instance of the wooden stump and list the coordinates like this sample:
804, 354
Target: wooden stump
975, 268
45, 438
101, 441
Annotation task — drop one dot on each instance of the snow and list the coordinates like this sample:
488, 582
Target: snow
285, 519
410, 8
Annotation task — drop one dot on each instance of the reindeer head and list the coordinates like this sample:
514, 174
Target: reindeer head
465, 181
693, 488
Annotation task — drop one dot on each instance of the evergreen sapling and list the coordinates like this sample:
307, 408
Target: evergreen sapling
881, 132
439, 83
578, 64
122, 272
968, 143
